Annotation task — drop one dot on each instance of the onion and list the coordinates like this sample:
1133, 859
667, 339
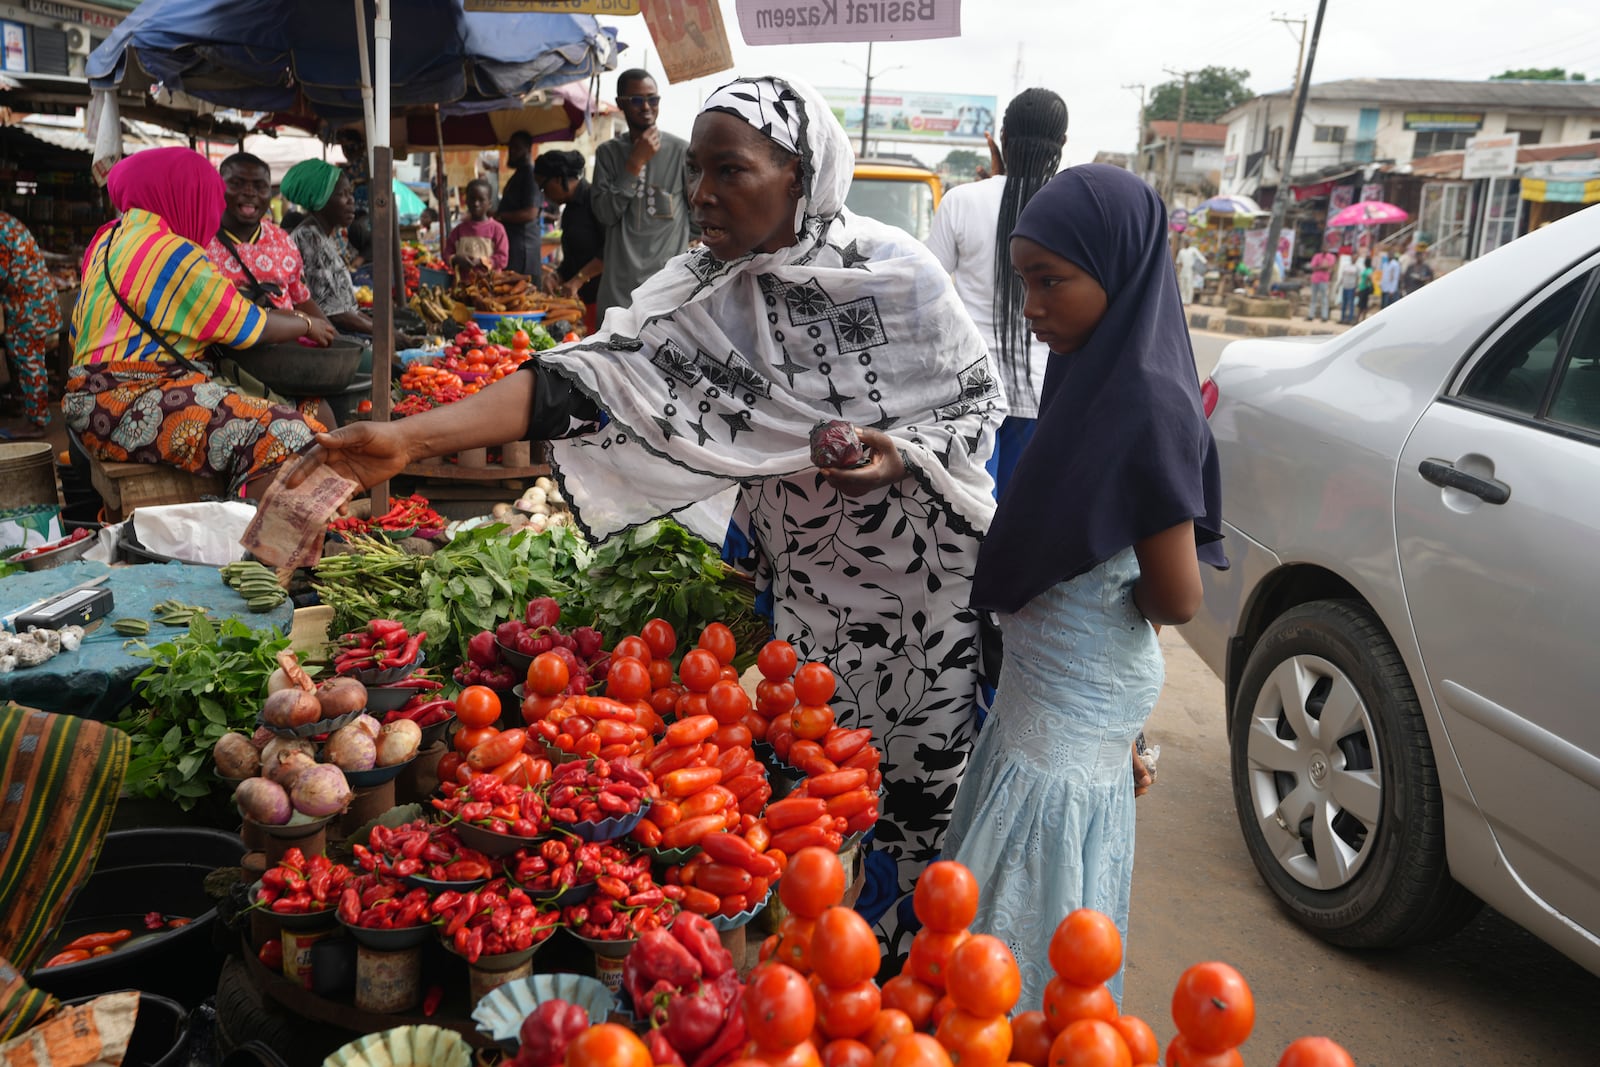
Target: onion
321, 790
368, 725
398, 742
278, 680
236, 757
341, 696
352, 749
263, 802
289, 767
275, 748
262, 738
288, 708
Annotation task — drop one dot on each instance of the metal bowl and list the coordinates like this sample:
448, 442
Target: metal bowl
294, 369
381, 698
57, 556
487, 841
299, 923
395, 940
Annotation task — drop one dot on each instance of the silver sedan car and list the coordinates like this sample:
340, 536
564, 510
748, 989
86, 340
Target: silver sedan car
1409, 636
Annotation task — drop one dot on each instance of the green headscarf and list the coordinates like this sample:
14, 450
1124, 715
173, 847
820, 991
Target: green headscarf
310, 183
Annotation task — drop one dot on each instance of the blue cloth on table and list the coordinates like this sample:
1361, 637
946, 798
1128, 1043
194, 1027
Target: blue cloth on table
96, 680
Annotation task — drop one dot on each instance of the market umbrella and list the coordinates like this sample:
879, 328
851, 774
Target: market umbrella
558, 117
1368, 213
1230, 204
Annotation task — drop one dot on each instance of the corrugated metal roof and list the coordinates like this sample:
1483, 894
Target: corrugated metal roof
1432, 92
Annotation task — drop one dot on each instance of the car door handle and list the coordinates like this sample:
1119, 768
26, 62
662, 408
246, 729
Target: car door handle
1444, 473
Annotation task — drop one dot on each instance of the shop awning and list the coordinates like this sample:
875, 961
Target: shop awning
1544, 190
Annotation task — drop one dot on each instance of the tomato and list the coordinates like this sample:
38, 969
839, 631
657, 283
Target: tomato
1030, 1038
665, 699
915, 1050
814, 683
478, 706
607, 1045
779, 1010
627, 680
660, 636
1065, 1003
727, 702
946, 897
776, 661
548, 675
471, 737
1086, 948
774, 698
844, 950
890, 1025
660, 673
633, 646
930, 955
975, 1041
844, 1052
1180, 1054
1213, 1007
1140, 1039
1089, 1043
1315, 1052
718, 640
813, 882
944, 1006
983, 978
700, 670
802, 1055
794, 941
905, 994
812, 721
849, 1010
448, 764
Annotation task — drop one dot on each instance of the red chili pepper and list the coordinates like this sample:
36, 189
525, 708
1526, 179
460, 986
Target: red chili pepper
89, 942
72, 955
432, 999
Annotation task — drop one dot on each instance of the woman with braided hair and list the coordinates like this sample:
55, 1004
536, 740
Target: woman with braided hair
972, 237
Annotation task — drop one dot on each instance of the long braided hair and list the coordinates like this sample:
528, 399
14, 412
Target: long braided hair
1034, 130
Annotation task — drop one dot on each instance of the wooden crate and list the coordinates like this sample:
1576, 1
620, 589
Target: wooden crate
125, 486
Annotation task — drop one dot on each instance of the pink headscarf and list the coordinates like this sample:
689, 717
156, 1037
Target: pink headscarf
178, 184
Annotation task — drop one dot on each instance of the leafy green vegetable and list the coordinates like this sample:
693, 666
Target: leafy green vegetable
506, 329
200, 685
376, 581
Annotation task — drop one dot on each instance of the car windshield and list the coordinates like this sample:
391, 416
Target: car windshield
906, 203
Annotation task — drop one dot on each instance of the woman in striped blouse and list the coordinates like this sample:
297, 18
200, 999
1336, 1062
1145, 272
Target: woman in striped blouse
142, 390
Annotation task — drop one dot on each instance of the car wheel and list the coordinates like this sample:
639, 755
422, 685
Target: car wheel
1335, 783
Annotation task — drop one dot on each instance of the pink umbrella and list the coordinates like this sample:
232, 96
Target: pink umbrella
1368, 213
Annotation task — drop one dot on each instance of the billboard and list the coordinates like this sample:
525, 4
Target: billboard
944, 118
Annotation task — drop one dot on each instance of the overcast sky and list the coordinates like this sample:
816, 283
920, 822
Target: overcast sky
1087, 51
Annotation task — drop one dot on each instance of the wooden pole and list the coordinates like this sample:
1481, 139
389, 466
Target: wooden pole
443, 183
1280, 200
384, 250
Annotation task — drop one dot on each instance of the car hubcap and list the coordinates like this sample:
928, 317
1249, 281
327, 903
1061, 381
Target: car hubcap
1311, 757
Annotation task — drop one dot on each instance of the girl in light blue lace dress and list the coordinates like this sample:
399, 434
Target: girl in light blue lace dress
1096, 542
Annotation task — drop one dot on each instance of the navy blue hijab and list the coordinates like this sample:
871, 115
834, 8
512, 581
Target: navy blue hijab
1121, 450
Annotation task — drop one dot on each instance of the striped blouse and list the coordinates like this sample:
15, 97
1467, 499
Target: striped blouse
170, 282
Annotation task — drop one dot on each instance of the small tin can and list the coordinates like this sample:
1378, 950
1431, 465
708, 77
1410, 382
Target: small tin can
609, 970
297, 954
485, 982
388, 982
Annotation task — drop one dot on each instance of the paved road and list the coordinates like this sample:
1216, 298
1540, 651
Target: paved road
1492, 995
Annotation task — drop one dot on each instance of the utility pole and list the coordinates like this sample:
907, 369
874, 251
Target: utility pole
1299, 63
1138, 142
1280, 201
866, 99
1176, 148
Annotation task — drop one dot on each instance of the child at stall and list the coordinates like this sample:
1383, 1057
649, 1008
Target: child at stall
1096, 542
477, 242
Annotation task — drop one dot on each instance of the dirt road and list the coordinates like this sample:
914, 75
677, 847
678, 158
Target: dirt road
1489, 996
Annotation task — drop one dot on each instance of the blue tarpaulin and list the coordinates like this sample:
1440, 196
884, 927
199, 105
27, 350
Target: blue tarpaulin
270, 55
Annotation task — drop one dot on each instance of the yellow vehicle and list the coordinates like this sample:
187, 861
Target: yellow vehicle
899, 193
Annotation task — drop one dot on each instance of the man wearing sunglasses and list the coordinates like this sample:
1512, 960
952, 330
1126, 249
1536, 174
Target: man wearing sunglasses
639, 194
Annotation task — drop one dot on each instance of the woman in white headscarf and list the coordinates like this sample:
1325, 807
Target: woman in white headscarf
793, 311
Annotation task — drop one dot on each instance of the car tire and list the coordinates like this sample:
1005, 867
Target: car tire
1335, 783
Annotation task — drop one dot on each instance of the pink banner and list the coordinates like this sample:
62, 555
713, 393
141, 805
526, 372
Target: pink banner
816, 21
1342, 196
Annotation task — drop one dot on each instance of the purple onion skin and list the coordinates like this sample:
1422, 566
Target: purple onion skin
263, 801
319, 791
834, 445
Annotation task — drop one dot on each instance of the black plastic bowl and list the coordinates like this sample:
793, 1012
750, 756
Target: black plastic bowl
140, 871
293, 369
160, 1032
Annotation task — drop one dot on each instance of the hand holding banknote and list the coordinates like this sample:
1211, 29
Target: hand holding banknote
363, 452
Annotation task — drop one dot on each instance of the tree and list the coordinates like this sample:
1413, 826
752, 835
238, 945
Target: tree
1539, 74
1212, 91
962, 161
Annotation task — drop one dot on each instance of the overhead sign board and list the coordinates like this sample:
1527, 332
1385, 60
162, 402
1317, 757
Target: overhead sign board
817, 21
557, 7
689, 36
948, 118
1491, 157
1444, 120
